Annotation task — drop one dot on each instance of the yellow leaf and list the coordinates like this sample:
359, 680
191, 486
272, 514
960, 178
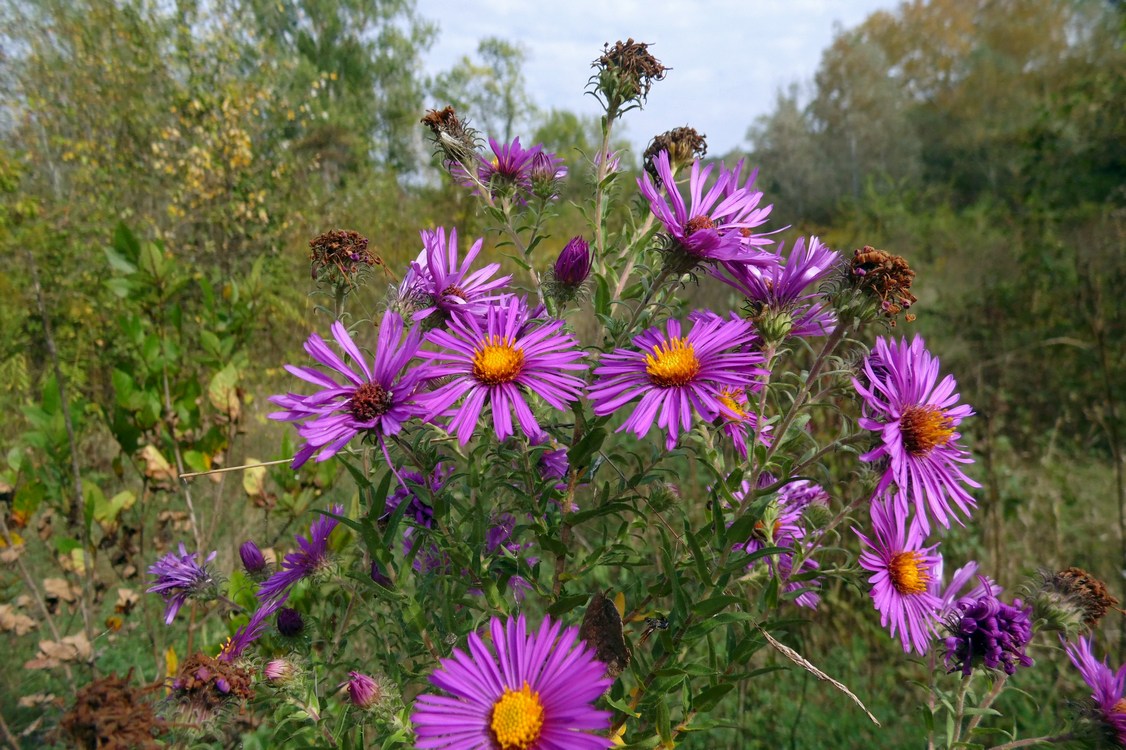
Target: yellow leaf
171, 662
620, 603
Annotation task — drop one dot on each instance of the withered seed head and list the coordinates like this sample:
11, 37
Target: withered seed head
111, 714
339, 254
454, 139
684, 145
626, 72
885, 276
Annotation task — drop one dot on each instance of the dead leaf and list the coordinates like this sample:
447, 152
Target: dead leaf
61, 589
13, 621
602, 630
126, 600
11, 554
156, 467
54, 653
37, 699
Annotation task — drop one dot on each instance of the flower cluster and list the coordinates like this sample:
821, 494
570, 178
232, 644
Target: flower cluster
988, 632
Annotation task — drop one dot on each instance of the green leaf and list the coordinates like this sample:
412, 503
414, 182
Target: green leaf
707, 698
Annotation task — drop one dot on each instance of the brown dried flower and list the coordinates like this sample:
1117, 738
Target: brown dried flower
684, 145
885, 276
338, 255
205, 685
626, 72
454, 139
110, 714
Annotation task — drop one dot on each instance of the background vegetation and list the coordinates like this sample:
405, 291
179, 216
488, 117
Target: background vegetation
163, 166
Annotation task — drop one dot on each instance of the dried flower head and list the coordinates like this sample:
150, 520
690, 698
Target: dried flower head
454, 139
110, 714
1070, 601
886, 277
626, 72
205, 685
684, 145
337, 256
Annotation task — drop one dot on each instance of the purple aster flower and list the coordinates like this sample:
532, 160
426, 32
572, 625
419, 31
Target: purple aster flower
902, 569
535, 693
179, 577
987, 632
1108, 688
739, 420
252, 559
612, 158
511, 166
674, 374
311, 556
437, 283
780, 296
499, 542
713, 226
497, 361
290, 622
375, 401
781, 526
917, 422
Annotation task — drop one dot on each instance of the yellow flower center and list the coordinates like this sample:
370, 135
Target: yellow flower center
727, 398
909, 574
1119, 707
673, 364
924, 428
497, 361
517, 719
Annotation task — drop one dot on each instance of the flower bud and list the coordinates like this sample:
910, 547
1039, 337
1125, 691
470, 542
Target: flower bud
363, 691
279, 671
290, 622
252, 558
573, 264
379, 576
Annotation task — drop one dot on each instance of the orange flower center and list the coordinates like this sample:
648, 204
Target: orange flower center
697, 223
497, 361
909, 573
456, 291
517, 719
924, 428
370, 401
671, 365
727, 398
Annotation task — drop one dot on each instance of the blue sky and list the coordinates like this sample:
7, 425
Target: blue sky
729, 57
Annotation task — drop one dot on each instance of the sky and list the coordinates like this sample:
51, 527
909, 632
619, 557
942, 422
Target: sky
728, 57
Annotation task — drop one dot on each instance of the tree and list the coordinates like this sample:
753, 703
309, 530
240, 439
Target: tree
490, 92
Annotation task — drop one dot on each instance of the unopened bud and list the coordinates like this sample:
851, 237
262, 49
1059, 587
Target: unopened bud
252, 558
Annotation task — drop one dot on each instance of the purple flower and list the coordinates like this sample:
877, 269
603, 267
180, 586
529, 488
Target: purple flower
739, 420
674, 374
713, 226
950, 596
612, 158
779, 294
438, 284
573, 264
781, 526
311, 556
536, 693
252, 558
496, 362
375, 401
179, 577
987, 632
499, 543
1108, 688
917, 422
363, 691
419, 514
902, 569
511, 166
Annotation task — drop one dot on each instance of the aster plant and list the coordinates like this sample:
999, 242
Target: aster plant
556, 431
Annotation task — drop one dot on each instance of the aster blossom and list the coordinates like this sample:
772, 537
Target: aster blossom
497, 361
902, 569
310, 556
714, 225
917, 418
438, 283
1108, 688
374, 400
781, 295
675, 373
179, 577
530, 691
